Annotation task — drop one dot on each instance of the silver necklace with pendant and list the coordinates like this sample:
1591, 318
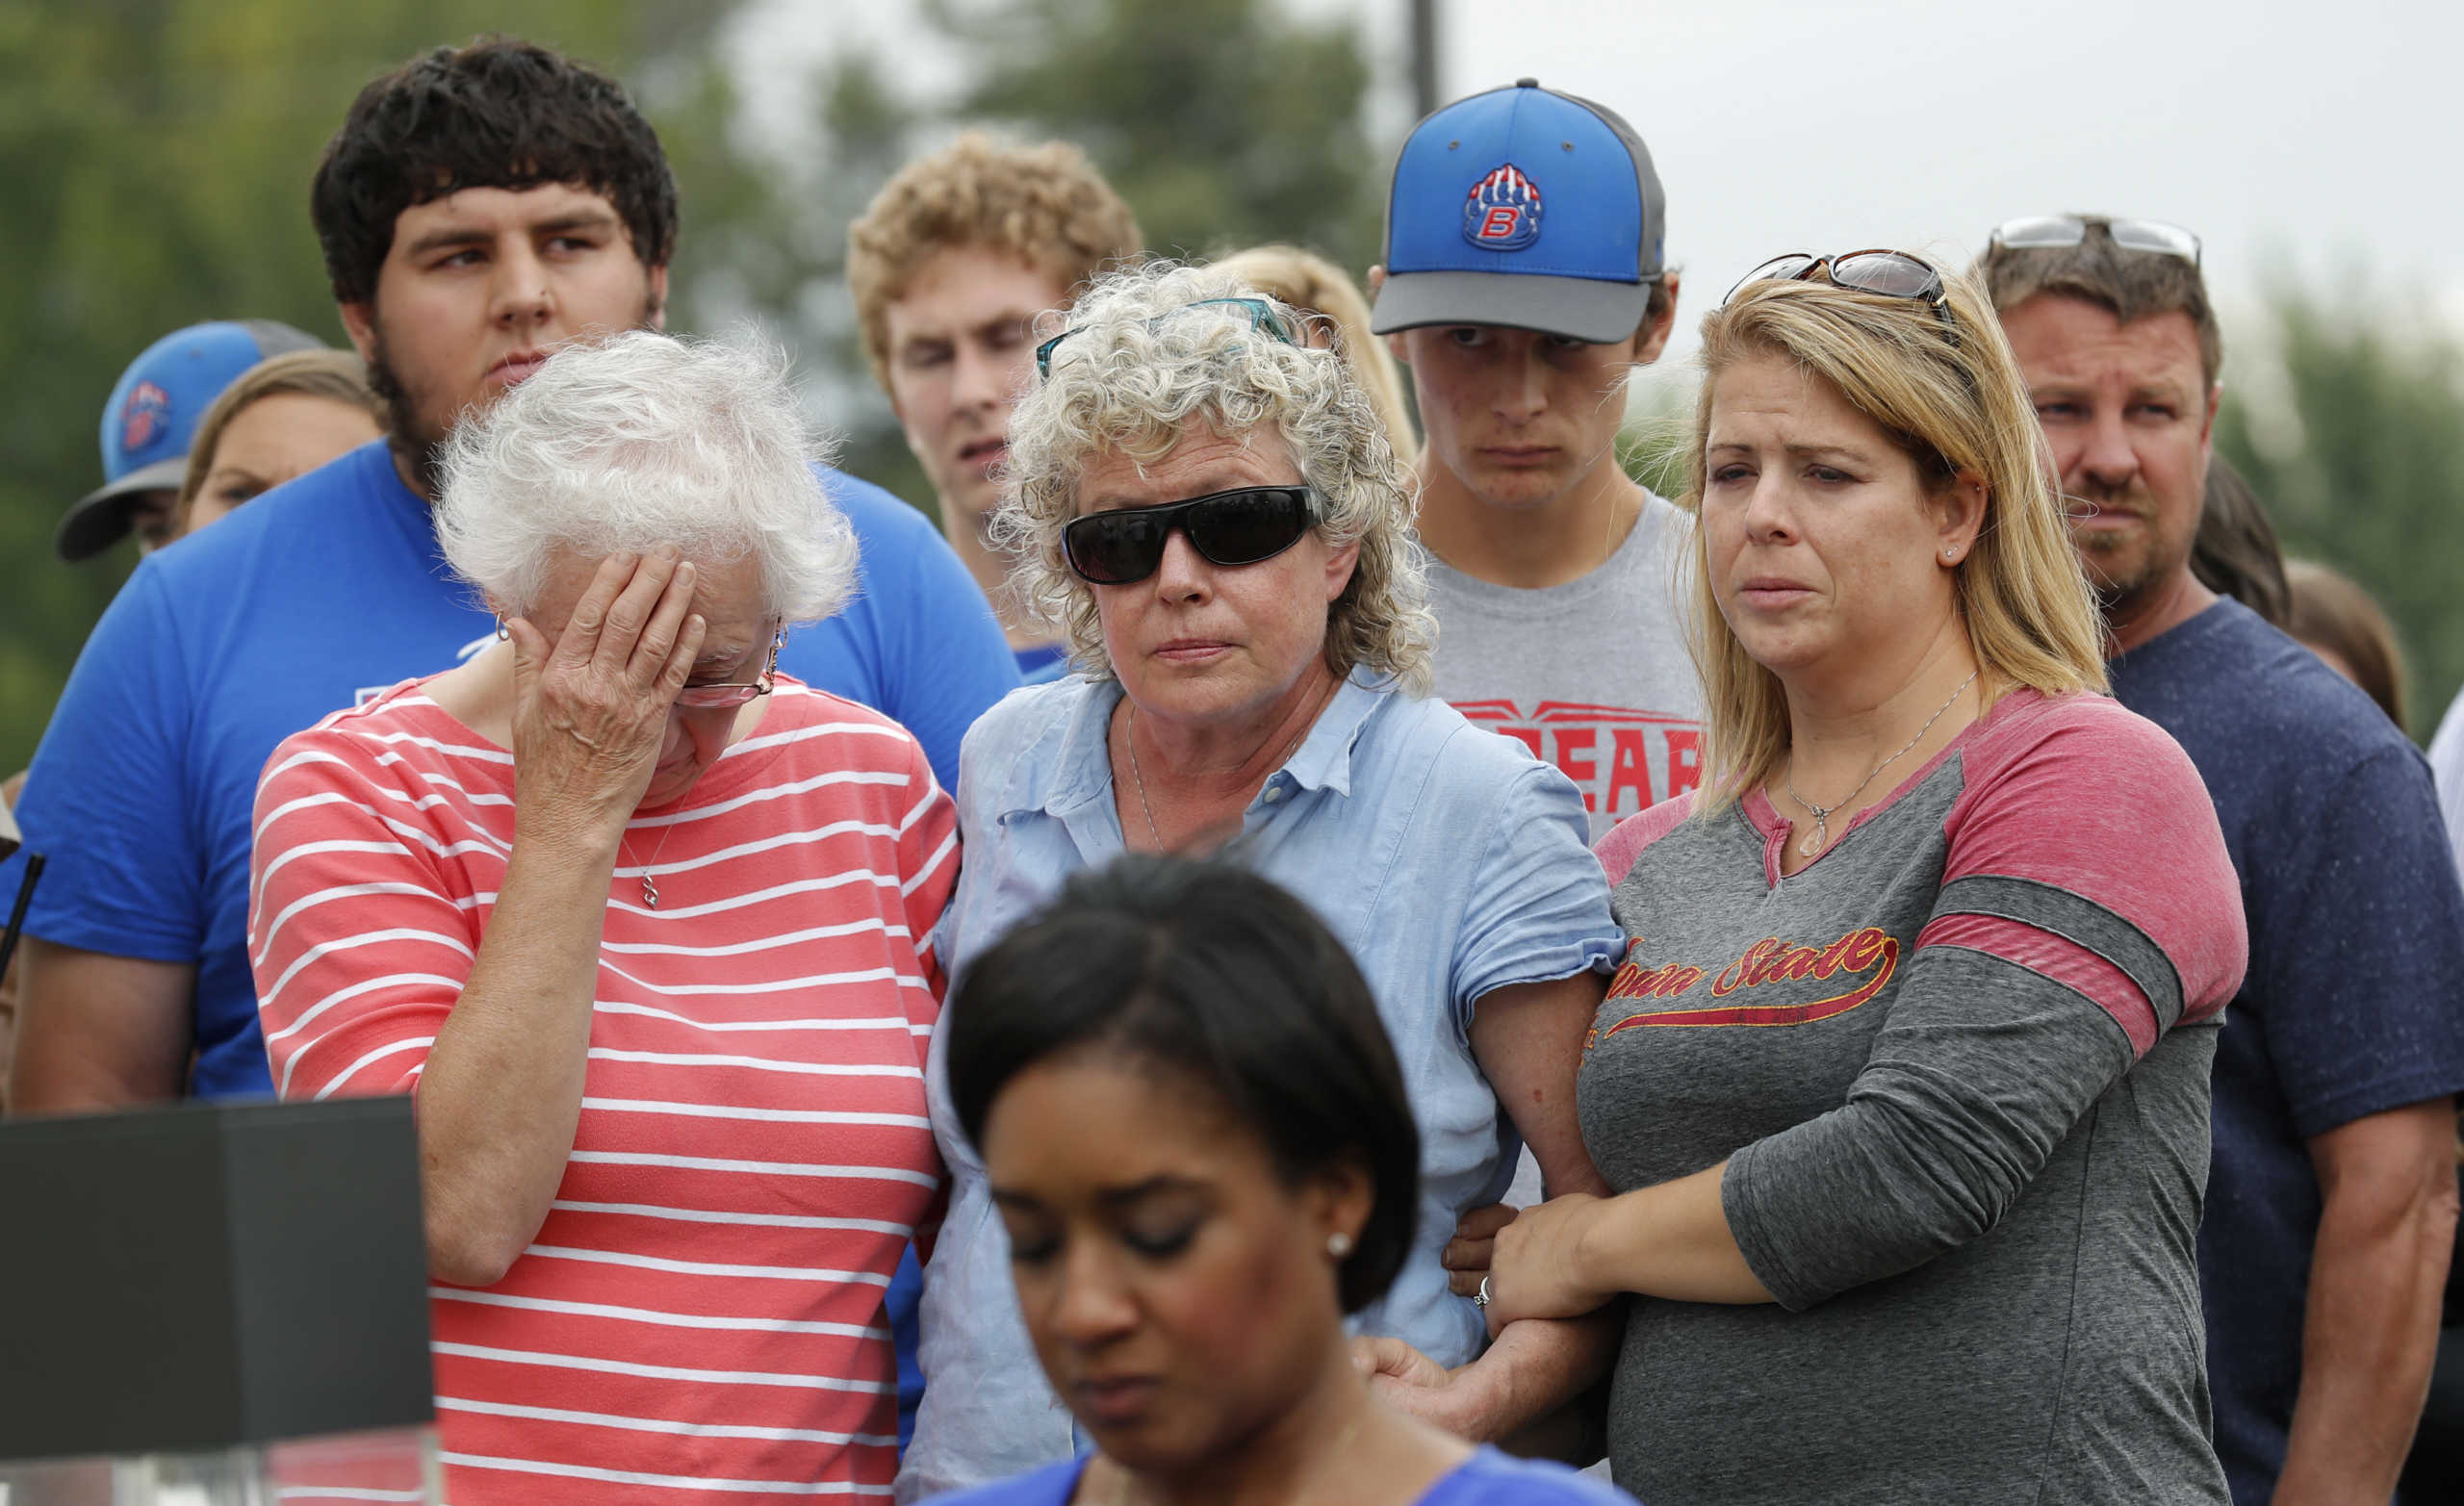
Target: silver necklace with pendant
1137, 778
649, 886
1820, 838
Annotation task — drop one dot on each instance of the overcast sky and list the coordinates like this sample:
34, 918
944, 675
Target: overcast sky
2322, 138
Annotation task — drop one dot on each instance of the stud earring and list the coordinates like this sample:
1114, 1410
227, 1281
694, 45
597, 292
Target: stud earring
1338, 1246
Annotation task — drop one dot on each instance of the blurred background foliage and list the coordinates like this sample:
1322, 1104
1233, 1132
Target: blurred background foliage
155, 155
2355, 439
155, 158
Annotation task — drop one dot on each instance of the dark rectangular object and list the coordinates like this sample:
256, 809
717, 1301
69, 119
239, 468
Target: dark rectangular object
210, 1275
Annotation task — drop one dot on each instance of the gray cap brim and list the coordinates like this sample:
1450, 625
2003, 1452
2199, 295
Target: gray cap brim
1578, 308
101, 516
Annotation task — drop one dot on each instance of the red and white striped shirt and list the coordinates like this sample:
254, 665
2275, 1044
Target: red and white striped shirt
699, 1316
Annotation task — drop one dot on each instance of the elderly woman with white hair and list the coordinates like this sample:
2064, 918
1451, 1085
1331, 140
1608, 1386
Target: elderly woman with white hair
1210, 513
642, 926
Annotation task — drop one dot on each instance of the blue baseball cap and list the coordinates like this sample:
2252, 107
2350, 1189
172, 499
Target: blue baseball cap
152, 414
1527, 208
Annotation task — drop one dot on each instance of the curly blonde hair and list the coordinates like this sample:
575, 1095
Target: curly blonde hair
1045, 205
1317, 286
1147, 364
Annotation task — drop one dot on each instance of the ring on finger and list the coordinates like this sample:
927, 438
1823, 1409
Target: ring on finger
1480, 1298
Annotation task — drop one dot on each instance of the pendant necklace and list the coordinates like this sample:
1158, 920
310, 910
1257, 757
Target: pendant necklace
1138, 780
1822, 814
650, 888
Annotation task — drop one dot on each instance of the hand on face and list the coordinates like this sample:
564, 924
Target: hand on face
591, 711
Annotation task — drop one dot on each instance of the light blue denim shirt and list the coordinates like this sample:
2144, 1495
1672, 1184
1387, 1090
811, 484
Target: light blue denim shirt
1448, 859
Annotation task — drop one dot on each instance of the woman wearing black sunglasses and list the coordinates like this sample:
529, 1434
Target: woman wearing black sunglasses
1903, 1082
1211, 515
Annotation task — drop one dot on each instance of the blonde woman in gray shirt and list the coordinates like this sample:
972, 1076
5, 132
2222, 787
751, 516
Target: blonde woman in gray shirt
1903, 1084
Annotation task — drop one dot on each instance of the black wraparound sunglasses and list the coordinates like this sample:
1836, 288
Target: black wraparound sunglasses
1890, 275
1240, 527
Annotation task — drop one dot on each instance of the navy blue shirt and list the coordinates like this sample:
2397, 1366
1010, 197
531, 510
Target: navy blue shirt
326, 591
2353, 1003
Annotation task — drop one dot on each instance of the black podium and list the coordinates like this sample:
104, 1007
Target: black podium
212, 1280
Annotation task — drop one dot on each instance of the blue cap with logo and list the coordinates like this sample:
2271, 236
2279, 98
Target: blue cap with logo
1527, 208
153, 412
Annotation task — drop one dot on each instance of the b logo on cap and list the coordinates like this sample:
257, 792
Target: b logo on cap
142, 416
1502, 211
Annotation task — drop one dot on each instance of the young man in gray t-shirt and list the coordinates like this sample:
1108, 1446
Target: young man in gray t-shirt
1523, 282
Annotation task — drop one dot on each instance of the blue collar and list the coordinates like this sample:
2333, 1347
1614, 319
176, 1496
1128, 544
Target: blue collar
1077, 771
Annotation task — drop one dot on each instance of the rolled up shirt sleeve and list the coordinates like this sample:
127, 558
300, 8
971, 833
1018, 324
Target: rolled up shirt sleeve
1539, 909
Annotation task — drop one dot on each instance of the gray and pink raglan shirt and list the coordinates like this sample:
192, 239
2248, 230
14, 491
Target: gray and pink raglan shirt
1958, 1067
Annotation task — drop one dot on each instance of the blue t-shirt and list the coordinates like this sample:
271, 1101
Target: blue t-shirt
1488, 1479
2352, 1004
1044, 661
319, 593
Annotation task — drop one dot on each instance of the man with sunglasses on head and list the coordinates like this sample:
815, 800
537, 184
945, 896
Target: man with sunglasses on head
2331, 1196
1522, 284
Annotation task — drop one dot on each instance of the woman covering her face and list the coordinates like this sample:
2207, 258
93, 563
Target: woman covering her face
1902, 1084
1198, 1140
1209, 511
641, 923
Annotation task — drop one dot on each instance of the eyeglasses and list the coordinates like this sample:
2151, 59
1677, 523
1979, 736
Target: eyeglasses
1890, 275
1245, 525
715, 698
2057, 232
1261, 316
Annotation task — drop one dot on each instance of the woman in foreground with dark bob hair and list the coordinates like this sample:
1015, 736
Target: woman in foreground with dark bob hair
1197, 1135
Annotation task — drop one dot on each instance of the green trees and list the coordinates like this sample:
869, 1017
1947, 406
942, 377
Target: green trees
155, 156
154, 166
2359, 456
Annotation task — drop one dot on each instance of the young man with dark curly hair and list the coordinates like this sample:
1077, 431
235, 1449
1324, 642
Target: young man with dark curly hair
479, 208
950, 267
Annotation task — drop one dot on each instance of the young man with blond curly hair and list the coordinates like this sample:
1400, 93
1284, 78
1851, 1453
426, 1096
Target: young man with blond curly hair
950, 267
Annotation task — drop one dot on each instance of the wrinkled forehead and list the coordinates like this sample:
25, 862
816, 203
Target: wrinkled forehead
2074, 342
729, 595
1170, 464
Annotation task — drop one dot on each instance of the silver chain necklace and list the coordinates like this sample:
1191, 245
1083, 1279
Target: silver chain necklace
1822, 814
1129, 736
650, 891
